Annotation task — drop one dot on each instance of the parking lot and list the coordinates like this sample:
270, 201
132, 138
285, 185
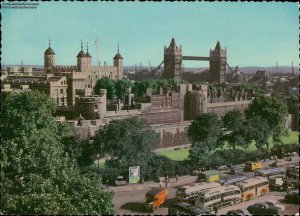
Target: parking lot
130, 199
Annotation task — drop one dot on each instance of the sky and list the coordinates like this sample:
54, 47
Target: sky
254, 34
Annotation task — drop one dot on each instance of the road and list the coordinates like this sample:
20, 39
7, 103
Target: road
130, 199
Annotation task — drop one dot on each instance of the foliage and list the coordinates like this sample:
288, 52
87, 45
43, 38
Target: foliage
129, 142
273, 110
257, 129
205, 130
38, 177
234, 131
105, 83
121, 86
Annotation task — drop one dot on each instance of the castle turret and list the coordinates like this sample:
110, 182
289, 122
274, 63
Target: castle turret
217, 64
118, 62
82, 60
172, 61
49, 58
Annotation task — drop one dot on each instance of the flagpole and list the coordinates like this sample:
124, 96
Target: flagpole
97, 48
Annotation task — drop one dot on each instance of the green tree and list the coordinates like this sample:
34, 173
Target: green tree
37, 176
105, 83
129, 142
121, 86
273, 109
234, 129
257, 129
205, 130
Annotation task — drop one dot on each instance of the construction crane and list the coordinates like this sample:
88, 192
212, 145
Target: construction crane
158, 67
232, 71
150, 66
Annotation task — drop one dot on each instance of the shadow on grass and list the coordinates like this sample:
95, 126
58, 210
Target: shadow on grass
135, 206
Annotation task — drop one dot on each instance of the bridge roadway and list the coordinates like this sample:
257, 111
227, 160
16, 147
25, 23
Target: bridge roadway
195, 58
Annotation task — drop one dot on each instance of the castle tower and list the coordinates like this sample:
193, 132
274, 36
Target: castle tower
118, 62
88, 56
172, 61
82, 60
217, 64
49, 58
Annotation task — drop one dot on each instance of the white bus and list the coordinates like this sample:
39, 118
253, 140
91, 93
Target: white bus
189, 192
253, 187
218, 197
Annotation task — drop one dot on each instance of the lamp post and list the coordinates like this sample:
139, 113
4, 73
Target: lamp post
98, 157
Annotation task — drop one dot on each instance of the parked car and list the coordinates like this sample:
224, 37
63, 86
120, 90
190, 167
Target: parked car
237, 169
238, 212
120, 181
292, 197
276, 204
277, 164
263, 209
183, 208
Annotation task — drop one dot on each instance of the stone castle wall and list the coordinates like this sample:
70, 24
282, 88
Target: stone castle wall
222, 108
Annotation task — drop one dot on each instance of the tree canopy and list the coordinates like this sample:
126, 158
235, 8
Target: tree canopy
234, 125
37, 175
205, 130
105, 83
130, 141
273, 109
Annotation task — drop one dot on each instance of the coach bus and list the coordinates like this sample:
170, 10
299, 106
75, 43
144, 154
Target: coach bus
218, 197
253, 187
188, 192
270, 172
232, 180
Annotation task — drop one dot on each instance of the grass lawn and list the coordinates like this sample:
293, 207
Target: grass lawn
182, 154
177, 155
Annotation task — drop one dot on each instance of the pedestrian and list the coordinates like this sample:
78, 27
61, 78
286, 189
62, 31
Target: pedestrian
216, 210
176, 178
107, 184
160, 183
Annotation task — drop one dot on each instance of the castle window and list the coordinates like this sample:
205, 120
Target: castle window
96, 76
61, 91
116, 76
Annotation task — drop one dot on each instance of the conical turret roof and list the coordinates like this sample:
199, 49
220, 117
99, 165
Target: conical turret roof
173, 43
81, 52
218, 46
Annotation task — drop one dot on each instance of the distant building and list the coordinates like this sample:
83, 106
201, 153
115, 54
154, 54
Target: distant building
54, 86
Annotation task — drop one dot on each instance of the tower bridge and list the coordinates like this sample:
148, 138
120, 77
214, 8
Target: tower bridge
173, 60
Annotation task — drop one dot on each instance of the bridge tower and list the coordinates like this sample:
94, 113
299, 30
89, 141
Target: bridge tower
217, 64
172, 61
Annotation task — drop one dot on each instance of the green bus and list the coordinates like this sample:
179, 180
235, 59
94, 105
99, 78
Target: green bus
209, 176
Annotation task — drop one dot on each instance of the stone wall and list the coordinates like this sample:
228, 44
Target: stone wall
222, 108
171, 135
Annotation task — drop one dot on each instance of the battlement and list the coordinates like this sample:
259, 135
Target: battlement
65, 67
88, 99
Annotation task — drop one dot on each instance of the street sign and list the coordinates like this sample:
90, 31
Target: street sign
134, 174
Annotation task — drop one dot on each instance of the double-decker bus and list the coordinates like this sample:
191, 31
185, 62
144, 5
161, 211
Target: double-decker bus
270, 172
218, 197
189, 192
253, 187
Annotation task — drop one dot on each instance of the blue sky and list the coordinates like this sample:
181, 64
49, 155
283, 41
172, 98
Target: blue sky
255, 34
